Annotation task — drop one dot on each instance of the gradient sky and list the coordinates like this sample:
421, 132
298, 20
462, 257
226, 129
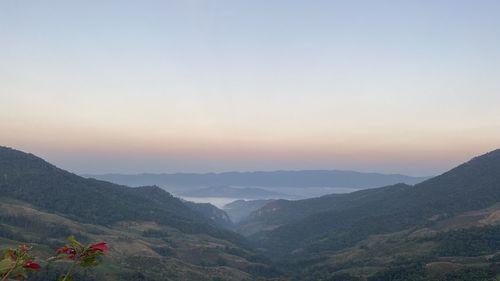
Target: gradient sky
165, 86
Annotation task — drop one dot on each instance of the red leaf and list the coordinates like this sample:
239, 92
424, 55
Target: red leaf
31, 265
102, 247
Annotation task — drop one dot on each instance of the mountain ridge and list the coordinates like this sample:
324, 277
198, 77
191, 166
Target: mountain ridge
279, 178
41, 204
472, 185
31, 179
232, 192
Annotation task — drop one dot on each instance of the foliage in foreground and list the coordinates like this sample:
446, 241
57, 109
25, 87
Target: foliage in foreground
18, 263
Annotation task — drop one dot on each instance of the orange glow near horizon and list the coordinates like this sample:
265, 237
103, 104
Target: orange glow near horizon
390, 156
192, 86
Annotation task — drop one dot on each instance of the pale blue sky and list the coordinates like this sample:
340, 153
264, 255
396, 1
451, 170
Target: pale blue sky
134, 86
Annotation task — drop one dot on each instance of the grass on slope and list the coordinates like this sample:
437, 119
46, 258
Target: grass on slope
134, 247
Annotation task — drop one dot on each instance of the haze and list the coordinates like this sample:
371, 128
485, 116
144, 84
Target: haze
166, 86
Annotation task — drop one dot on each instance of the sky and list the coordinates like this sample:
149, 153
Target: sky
207, 86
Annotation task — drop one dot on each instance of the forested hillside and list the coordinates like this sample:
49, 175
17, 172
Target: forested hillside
43, 204
341, 220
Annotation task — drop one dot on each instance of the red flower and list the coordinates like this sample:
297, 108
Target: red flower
101, 247
31, 265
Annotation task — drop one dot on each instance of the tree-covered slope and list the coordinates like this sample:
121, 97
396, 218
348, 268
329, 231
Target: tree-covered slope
339, 221
138, 250
31, 179
240, 209
152, 235
220, 217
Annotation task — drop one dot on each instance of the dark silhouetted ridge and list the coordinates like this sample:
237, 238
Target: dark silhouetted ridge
29, 178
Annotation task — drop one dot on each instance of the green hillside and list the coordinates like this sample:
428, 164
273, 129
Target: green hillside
341, 220
30, 179
308, 230
42, 204
220, 217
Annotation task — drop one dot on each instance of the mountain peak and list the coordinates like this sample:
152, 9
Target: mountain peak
13, 161
11, 153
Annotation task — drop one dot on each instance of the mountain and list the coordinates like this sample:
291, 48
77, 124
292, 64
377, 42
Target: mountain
240, 209
30, 179
443, 229
233, 192
220, 217
313, 228
42, 204
308, 178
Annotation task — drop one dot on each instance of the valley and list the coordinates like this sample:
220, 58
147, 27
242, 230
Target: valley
444, 228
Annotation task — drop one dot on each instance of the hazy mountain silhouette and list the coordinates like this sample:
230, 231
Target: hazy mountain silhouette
233, 192
240, 209
307, 178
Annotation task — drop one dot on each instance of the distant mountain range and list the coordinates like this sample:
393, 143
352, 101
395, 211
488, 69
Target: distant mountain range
307, 178
233, 192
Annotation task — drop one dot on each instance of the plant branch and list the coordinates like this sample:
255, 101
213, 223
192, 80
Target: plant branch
69, 270
6, 276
